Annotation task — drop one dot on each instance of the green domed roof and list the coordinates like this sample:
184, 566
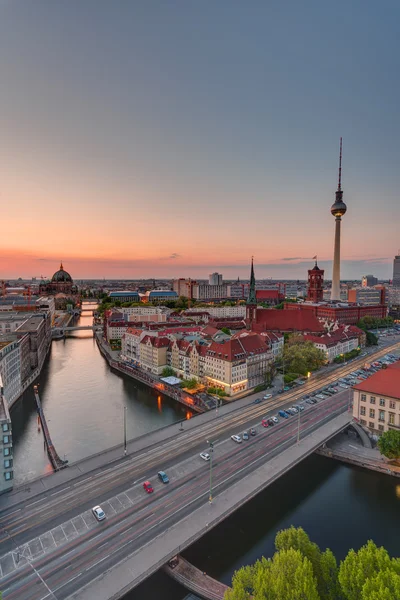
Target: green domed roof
61, 276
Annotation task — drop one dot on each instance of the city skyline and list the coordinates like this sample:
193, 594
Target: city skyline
161, 139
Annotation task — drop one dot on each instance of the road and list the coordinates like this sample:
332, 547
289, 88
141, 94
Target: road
133, 517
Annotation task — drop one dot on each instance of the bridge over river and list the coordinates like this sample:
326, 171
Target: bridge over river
50, 542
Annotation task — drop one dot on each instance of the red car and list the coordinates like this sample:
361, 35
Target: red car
148, 487
265, 423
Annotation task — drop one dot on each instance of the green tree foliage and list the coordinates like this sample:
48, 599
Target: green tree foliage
371, 338
389, 444
189, 384
302, 357
300, 571
226, 330
368, 322
288, 576
270, 373
358, 567
168, 372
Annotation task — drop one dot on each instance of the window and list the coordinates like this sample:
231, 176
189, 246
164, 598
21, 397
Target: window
381, 402
380, 427
8, 463
391, 418
371, 424
7, 451
372, 413
363, 421
392, 404
5, 426
382, 415
6, 439
8, 475
363, 397
363, 410
372, 400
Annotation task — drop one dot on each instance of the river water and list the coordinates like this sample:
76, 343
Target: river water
339, 506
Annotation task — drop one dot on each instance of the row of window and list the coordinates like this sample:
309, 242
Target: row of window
381, 416
382, 401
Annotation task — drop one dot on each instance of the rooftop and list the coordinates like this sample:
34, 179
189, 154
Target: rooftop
32, 323
385, 382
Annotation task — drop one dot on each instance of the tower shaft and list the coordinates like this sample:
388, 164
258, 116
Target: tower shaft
335, 292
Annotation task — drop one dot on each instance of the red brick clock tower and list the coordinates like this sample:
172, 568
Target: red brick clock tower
315, 289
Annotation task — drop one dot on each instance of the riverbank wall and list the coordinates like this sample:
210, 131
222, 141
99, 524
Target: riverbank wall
175, 393
348, 449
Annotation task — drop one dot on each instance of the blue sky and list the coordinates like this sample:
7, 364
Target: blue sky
164, 138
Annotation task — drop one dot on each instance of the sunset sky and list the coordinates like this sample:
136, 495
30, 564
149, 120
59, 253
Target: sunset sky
148, 138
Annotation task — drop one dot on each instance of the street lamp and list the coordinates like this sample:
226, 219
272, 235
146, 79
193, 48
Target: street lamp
211, 445
124, 430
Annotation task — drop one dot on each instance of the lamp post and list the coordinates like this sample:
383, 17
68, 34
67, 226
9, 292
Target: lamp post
298, 428
124, 430
211, 445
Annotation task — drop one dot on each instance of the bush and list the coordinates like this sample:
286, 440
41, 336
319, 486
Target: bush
168, 372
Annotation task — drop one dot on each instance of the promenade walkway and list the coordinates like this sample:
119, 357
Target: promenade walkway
57, 462
195, 580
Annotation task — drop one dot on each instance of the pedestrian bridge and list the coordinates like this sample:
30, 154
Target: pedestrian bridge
61, 331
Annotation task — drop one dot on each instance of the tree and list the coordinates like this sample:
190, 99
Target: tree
270, 373
358, 567
384, 586
288, 576
189, 384
371, 338
226, 330
168, 372
302, 357
389, 444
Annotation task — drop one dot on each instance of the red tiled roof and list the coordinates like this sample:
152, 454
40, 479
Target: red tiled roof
134, 331
385, 382
209, 330
238, 347
286, 320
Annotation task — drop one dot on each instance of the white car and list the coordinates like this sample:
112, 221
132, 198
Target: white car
275, 419
344, 386
204, 455
236, 438
294, 409
99, 513
321, 396
267, 396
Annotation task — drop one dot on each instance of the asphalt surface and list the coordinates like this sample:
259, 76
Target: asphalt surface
69, 565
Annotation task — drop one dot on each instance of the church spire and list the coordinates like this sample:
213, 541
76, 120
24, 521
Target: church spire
61, 266
251, 299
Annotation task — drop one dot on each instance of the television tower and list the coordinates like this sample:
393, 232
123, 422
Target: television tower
338, 209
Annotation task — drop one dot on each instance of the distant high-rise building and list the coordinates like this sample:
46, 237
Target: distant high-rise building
315, 289
369, 281
396, 271
338, 209
215, 279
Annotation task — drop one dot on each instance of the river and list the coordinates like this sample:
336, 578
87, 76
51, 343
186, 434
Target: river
339, 506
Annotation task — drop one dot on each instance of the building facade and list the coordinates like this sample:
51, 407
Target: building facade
338, 312
368, 296
38, 329
215, 279
315, 288
396, 271
376, 401
204, 291
335, 343
6, 446
369, 281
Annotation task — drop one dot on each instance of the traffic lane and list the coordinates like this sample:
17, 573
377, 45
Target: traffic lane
115, 478
30, 525
232, 469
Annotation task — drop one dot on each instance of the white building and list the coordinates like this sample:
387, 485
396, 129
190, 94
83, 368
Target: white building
221, 311
215, 279
276, 342
202, 291
11, 320
157, 314
10, 369
335, 343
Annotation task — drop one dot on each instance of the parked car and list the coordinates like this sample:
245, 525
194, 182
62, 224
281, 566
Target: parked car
236, 438
257, 401
275, 419
265, 422
284, 414
310, 401
280, 391
344, 386
320, 396
162, 476
299, 407
294, 410
271, 421
204, 455
148, 487
252, 431
267, 396
245, 435
99, 513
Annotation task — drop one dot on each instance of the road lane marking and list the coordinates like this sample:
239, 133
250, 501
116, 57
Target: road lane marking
59, 491
13, 512
83, 480
37, 501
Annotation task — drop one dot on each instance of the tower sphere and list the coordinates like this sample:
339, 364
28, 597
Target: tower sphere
338, 209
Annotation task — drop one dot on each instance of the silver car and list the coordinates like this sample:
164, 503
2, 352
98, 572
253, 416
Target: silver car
99, 513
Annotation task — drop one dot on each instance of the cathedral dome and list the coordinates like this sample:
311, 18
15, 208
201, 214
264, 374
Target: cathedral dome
61, 276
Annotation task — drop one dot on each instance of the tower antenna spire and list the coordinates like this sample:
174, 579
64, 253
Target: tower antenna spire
340, 167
